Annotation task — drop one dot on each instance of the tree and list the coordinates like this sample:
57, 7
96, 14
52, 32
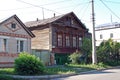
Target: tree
108, 52
86, 48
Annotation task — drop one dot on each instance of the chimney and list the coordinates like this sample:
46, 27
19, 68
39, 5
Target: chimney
54, 14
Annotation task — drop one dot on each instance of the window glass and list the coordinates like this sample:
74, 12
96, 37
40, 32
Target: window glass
101, 36
20, 45
67, 41
74, 41
59, 40
80, 41
111, 35
13, 25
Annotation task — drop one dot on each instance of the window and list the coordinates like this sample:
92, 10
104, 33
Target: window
80, 41
20, 45
13, 25
74, 41
3, 43
101, 36
111, 35
69, 20
59, 40
67, 41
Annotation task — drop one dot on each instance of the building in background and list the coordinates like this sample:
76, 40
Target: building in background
107, 31
57, 37
14, 38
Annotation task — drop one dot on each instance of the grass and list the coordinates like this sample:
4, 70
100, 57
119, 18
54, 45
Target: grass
67, 69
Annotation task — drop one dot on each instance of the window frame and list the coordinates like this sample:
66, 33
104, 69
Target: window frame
60, 40
111, 35
67, 40
101, 36
74, 38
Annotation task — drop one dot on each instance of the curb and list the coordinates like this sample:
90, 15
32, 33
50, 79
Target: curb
48, 77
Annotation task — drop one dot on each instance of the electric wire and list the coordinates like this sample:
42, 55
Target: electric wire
38, 6
110, 9
112, 2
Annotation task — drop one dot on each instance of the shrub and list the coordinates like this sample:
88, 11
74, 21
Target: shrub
75, 58
27, 64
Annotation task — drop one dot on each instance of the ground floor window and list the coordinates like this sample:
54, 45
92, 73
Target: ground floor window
20, 45
74, 41
3, 45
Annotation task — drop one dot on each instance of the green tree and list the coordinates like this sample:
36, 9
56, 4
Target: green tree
108, 52
86, 49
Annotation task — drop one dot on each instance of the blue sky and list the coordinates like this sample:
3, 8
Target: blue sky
29, 10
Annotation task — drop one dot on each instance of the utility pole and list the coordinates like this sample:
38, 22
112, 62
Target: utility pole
94, 56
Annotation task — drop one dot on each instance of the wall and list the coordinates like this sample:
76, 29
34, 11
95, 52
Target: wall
44, 55
7, 60
41, 39
106, 35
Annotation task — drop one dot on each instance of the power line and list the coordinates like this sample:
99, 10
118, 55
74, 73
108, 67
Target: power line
110, 9
15, 9
53, 3
112, 2
38, 6
72, 5
85, 10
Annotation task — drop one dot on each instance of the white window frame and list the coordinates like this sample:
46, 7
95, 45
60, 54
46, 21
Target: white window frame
2, 43
18, 44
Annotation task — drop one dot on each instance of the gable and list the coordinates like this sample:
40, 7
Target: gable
70, 20
13, 25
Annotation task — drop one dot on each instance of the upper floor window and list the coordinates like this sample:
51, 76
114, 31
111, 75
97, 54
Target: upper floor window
80, 41
13, 25
59, 39
20, 45
101, 36
67, 41
3, 43
111, 35
74, 41
69, 20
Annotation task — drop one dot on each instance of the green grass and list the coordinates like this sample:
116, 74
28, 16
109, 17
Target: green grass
67, 69
89, 66
7, 71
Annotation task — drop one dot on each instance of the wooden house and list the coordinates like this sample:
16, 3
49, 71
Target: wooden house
14, 38
57, 37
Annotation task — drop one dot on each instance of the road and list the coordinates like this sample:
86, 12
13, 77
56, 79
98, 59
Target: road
110, 74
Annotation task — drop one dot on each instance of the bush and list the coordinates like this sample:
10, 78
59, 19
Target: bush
27, 64
75, 58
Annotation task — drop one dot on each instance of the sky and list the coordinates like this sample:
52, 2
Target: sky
106, 11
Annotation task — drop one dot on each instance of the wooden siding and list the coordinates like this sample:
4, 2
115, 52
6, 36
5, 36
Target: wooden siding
41, 41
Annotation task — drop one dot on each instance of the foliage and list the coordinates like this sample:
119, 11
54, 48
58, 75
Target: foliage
89, 66
108, 52
86, 49
75, 57
27, 64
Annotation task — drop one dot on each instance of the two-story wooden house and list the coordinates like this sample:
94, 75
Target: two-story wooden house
14, 38
57, 37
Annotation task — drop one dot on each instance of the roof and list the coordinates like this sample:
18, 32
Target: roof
50, 20
108, 25
21, 23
